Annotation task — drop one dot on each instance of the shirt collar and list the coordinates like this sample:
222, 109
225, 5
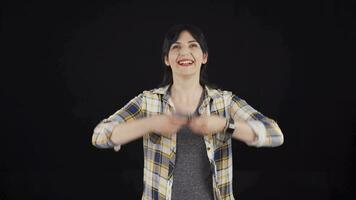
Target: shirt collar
210, 93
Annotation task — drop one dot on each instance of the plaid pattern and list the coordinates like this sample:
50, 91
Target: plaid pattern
160, 151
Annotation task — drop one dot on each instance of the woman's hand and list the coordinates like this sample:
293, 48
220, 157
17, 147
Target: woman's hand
166, 125
205, 125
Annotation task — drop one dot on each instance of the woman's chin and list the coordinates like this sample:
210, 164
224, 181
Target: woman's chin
186, 71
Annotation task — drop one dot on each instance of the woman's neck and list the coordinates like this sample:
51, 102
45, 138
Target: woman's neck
186, 90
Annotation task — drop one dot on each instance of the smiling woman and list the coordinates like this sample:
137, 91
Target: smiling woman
185, 56
187, 125
192, 40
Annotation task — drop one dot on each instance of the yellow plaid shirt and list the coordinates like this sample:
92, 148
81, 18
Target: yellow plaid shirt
160, 151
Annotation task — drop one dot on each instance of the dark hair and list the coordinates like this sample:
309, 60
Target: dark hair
171, 37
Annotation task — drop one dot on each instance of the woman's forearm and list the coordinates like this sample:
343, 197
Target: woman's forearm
244, 132
126, 132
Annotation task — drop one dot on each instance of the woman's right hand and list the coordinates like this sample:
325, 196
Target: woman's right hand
166, 125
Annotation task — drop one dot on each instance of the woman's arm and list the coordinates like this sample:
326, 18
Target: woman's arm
102, 135
244, 132
130, 123
252, 127
126, 132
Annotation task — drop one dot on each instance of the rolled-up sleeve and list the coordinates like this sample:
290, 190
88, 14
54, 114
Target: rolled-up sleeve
266, 129
103, 130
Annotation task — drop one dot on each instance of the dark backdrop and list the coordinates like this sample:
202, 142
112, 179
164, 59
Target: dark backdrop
67, 65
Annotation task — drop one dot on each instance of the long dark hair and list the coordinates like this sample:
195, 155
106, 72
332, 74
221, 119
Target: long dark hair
171, 37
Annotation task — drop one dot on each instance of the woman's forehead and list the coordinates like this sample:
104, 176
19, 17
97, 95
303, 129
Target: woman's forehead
185, 35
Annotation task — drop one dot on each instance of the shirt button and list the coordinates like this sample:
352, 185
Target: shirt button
208, 148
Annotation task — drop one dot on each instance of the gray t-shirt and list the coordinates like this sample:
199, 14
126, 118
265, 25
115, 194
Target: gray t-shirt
192, 175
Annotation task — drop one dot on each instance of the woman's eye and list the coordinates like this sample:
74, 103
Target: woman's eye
177, 46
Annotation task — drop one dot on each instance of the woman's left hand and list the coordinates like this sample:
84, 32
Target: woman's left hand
205, 125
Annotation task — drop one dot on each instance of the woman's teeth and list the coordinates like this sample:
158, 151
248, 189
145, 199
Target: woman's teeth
185, 62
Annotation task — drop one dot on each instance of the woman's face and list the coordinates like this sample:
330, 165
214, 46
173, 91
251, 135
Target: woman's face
185, 56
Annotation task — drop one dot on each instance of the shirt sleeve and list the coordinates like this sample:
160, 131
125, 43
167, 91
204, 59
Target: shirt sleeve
103, 130
266, 129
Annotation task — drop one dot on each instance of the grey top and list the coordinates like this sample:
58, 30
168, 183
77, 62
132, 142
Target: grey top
191, 176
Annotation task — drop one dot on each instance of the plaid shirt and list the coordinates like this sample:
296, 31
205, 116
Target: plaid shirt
160, 151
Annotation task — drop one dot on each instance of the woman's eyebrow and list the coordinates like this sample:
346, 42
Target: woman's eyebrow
188, 42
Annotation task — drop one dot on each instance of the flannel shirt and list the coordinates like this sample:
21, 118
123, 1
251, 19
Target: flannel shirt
160, 151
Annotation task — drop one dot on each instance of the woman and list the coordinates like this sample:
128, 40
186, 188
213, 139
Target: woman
187, 125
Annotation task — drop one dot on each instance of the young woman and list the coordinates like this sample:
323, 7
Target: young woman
187, 125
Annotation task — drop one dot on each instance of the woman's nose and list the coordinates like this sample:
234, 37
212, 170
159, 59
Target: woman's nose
184, 50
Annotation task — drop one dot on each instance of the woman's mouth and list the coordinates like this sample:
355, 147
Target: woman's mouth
185, 63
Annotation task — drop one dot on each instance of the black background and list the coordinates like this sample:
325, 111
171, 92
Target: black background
67, 65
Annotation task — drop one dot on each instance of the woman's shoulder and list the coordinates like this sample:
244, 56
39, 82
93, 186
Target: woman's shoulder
154, 92
219, 92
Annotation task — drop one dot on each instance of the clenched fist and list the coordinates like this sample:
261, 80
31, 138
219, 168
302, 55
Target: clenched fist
166, 125
205, 125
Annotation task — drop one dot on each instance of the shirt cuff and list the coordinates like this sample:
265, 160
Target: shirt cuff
260, 130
